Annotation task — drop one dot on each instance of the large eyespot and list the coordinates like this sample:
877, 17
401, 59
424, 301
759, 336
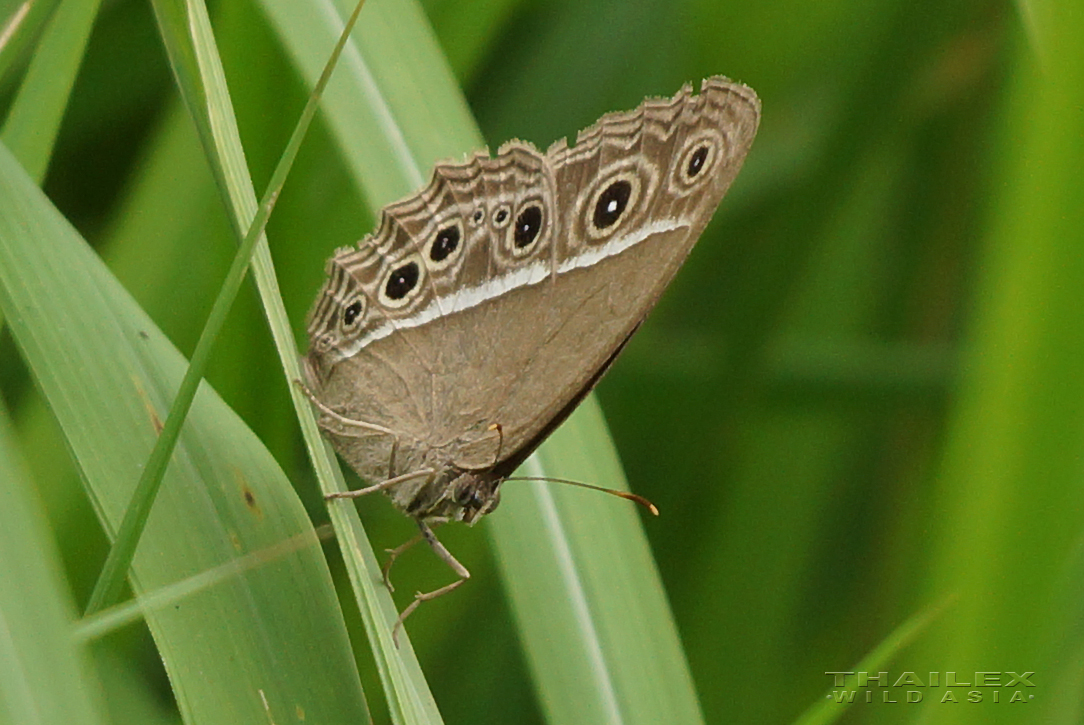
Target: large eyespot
352, 312
616, 198
527, 228
696, 161
401, 283
446, 244
611, 204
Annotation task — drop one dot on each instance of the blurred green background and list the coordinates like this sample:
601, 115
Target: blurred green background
860, 398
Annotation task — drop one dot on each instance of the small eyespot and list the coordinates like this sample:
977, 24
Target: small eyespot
528, 226
351, 313
696, 161
500, 218
402, 281
445, 244
611, 204
478, 215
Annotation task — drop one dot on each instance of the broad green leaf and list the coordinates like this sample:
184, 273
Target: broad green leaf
269, 642
45, 675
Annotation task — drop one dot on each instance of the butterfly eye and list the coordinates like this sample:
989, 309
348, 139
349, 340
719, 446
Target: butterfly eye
466, 497
611, 204
696, 162
351, 313
528, 226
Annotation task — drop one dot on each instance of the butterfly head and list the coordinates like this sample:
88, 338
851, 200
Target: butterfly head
475, 495
457, 495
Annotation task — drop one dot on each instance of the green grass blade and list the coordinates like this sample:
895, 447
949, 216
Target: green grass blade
1010, 501
639, 671
831, 708
269, 642
44, 672
34, 117
135, 518
199, 74
392, 111
600, 639
22, 24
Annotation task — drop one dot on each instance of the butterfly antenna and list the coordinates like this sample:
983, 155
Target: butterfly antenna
620, 494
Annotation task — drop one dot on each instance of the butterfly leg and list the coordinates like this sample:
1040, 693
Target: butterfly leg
394, 554
446, 556
391, 482
391, 458
365, 428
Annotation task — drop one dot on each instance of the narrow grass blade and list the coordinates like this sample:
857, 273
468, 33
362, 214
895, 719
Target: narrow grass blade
21, 23
34, 117
835, 701
135, 518
199, 74
106, 622
393, 107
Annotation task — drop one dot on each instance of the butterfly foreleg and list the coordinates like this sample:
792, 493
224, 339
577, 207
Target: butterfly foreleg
500, 441
446, 556
489, 463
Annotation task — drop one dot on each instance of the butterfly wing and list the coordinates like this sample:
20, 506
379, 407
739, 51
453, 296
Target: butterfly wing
500, 293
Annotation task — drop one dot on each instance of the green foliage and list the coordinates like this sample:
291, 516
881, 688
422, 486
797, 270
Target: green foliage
858, 407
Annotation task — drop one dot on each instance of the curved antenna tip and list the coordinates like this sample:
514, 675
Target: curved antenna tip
635, 498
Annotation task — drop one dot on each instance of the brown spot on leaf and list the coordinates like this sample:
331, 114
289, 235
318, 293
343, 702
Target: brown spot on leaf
156, 422
247, 493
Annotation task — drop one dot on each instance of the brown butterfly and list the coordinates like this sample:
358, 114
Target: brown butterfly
450, 343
